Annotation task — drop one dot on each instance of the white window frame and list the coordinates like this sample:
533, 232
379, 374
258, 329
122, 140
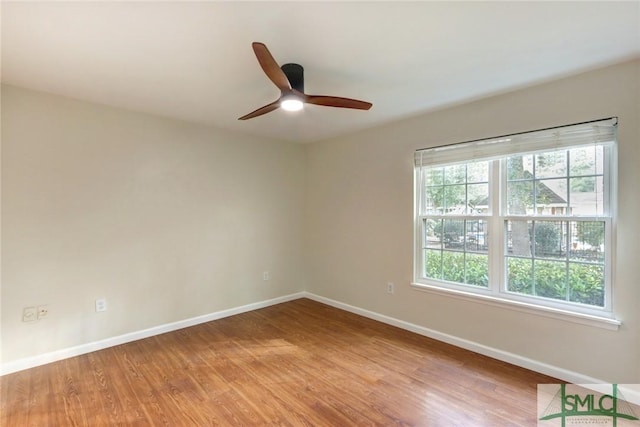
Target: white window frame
495, 150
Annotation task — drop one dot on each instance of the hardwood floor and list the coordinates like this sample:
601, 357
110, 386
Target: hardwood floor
300, 363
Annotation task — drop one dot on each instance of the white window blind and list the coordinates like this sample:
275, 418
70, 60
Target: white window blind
596, 132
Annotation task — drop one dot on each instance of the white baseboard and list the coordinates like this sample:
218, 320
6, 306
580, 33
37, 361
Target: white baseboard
43, 359
553, 371
514, 359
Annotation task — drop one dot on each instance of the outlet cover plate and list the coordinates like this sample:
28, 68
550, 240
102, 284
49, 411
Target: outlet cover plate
43, 311
29, 314
101, 304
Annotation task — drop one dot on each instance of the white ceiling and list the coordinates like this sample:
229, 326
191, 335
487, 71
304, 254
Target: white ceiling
193, 60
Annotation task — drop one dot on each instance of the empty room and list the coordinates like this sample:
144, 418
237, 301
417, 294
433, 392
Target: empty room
320, 213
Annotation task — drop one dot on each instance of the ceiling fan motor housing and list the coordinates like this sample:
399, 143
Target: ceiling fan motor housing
295, 75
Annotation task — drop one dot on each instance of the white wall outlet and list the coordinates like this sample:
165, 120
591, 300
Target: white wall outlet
29, 314
43, 311
101, 304
391, 288
266, 276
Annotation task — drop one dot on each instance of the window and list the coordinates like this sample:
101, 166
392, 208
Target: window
525, 218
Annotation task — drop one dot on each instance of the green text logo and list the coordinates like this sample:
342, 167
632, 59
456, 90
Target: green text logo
582, 406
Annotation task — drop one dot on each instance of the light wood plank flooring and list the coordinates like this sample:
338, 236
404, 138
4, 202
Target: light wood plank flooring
300, 363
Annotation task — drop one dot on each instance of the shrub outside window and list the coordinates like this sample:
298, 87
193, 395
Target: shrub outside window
526, 217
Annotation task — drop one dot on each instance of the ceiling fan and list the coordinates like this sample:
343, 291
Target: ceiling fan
290, 80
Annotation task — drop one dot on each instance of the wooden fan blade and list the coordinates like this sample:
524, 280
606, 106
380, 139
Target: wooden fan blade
262, 110
270, 66
334, 101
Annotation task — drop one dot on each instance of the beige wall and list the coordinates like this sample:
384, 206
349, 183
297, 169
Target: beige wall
165, 219
170, 220
360, 222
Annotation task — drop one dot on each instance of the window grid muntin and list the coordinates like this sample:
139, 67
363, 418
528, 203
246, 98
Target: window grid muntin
457, 246
448, 184
600, 168
567, 259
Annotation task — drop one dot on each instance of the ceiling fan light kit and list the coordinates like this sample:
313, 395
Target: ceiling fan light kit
290, 80
291, 103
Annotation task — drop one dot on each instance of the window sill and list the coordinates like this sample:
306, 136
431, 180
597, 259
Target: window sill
554, 313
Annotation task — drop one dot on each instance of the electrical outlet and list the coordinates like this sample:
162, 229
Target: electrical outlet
266, 276
101, 304
390, 288
43, 311
29, 314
